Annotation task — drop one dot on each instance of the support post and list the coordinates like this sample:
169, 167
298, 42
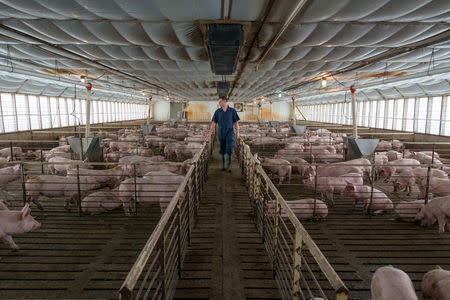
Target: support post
149, 109
88, 111
354, 120
293, 111
297, 264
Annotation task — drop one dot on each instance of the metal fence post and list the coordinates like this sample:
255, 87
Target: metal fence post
42, 159
135, 189
427, 191
162, 263
11, 151
297, 264
79, 190
179, 221
275, 238
24, 194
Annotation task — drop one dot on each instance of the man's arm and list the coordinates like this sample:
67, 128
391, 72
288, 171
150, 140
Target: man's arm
213, 125
236, 126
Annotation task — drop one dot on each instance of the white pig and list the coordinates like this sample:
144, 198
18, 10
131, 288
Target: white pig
362, 193
9, 174
16, 222
407, 210
436, 285
438, 209
101, 201
389, 283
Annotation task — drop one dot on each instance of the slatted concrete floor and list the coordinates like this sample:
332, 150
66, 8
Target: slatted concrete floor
356, 245
74, 257
226, 259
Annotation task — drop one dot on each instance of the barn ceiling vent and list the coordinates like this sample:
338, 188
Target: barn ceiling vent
222, 88
224, 43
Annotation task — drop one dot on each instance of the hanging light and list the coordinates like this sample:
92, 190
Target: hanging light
323, 82
83, 78
143, 93
166, 97
279, 95
262, 100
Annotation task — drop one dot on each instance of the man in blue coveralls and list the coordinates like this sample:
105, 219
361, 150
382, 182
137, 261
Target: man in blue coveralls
226, 117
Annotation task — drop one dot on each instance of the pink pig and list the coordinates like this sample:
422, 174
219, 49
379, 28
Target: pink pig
361, 193
16, 222
9, 174
436, 285
438, 209
389, 283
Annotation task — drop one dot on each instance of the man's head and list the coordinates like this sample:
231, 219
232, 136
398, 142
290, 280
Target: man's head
223, 102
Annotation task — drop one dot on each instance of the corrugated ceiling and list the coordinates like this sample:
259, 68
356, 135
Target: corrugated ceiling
160, 43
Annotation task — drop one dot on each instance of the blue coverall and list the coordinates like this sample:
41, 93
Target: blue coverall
225, 121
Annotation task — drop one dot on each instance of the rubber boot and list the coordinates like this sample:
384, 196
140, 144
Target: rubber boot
228, 156
223, 162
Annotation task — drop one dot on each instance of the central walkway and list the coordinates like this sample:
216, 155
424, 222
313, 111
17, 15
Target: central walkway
226, 259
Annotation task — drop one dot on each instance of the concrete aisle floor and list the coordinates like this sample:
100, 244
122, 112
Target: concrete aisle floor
226, 259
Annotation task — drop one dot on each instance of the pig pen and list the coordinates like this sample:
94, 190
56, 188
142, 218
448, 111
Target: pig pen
356, 244
75, 254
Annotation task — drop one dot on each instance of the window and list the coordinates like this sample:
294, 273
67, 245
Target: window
63, 111
422, 114
380, 115
56, 121
35, 109
8, 110
22, 112
409, 114
399, 115
435, 115
45, 112
390, 114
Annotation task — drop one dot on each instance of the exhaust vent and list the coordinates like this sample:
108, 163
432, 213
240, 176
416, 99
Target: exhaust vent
224, 43
222, 88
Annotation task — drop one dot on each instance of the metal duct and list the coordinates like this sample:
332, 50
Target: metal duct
223, 88
224, 43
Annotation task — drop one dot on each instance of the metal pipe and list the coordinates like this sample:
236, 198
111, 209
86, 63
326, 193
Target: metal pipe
293, 111
300, 5
88, 111
355, 123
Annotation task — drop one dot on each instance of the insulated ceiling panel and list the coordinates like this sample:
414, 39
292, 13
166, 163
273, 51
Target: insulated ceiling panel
159, 46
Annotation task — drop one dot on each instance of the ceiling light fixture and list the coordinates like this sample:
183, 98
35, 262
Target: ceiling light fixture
83, 78
279, 95
323, 82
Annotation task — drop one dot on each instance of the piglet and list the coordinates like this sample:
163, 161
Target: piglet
9, 174
101, 201
362, 193
438, 209
407, 210
16, 222
389, 283
436, 285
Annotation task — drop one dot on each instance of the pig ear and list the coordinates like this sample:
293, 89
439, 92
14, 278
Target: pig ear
16, 167
25, 211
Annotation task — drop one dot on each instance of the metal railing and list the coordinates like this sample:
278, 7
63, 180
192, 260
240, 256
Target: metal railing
299, 267
157, 269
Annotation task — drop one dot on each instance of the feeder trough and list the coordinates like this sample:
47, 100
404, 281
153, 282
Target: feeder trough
357, 148
91, 148
147, 129
298, 129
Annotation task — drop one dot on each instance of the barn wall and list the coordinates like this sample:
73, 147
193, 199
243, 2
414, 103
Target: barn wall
204, 110
161, 110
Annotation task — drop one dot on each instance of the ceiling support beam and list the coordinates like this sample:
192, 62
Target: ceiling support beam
438, 38
252, 44
55, 49
301, 5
